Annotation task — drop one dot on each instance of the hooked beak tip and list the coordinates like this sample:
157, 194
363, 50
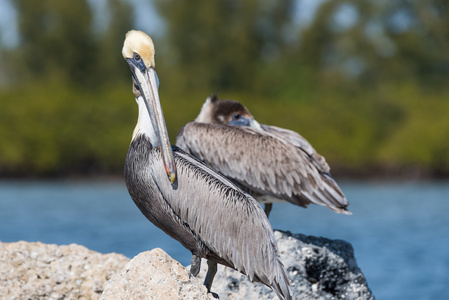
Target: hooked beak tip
172, 177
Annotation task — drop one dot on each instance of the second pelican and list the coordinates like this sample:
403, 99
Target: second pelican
271, 163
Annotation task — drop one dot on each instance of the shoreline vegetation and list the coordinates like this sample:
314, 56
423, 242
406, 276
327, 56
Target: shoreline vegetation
76, 133
71, 133
340, 175
369, 91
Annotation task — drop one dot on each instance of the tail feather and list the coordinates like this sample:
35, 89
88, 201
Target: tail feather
277, 279
281, 286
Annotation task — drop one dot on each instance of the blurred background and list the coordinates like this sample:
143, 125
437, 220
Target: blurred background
366, 82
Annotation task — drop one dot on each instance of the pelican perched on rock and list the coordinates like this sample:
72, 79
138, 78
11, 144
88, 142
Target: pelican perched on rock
193, 204
271, 163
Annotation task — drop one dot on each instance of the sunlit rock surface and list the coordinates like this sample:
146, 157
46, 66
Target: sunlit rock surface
43, 271
154, 275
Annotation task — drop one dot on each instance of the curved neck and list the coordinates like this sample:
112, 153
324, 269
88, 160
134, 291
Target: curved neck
144, 125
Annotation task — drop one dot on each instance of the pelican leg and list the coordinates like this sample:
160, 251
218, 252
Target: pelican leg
268, 207
211, 271
195, 265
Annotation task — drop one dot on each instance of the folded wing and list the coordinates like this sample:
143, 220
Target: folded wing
275, 161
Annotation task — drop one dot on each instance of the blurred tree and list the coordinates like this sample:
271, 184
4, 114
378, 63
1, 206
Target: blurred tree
57, 42
71, 111
368, 52
379, 41
217, 45
109, 60
352, 81
55, 38
420, 33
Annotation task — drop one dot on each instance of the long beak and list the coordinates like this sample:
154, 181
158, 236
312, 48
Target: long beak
254, 124
246, 121
147, 82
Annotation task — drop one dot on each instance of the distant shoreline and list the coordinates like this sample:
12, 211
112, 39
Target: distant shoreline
373, 174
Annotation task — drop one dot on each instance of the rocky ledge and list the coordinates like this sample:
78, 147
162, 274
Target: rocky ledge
42, 271
318, 268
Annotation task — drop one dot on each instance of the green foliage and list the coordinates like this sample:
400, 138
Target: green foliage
68, 108
365, 82
219, 44
57, 41
421, 139
52, 32
66, 131
375, 42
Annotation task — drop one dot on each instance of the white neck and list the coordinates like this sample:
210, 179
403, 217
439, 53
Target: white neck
144, 125
205, 113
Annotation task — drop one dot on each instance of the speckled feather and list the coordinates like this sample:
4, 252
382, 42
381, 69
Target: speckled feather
273, 161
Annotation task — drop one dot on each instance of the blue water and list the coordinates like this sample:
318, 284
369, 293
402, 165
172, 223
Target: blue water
400, 231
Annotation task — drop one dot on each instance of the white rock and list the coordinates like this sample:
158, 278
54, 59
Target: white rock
154, 275
42, 271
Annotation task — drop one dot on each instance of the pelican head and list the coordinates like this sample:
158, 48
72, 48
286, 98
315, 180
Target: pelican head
138, 51
226, 112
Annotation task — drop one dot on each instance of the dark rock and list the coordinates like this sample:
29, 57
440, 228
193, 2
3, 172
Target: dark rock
318, 268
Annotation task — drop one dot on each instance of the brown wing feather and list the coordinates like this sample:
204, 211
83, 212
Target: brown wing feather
299, 141
274, 162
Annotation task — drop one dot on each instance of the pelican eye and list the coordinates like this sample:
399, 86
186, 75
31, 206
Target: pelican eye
239, 120
138, 61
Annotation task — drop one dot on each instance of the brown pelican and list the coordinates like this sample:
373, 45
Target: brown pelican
271, 163
193, 204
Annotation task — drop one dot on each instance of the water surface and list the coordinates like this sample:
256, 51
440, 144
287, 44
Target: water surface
399, 231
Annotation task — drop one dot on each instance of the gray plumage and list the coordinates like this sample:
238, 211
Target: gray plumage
193, 204
271, 163
206, 213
